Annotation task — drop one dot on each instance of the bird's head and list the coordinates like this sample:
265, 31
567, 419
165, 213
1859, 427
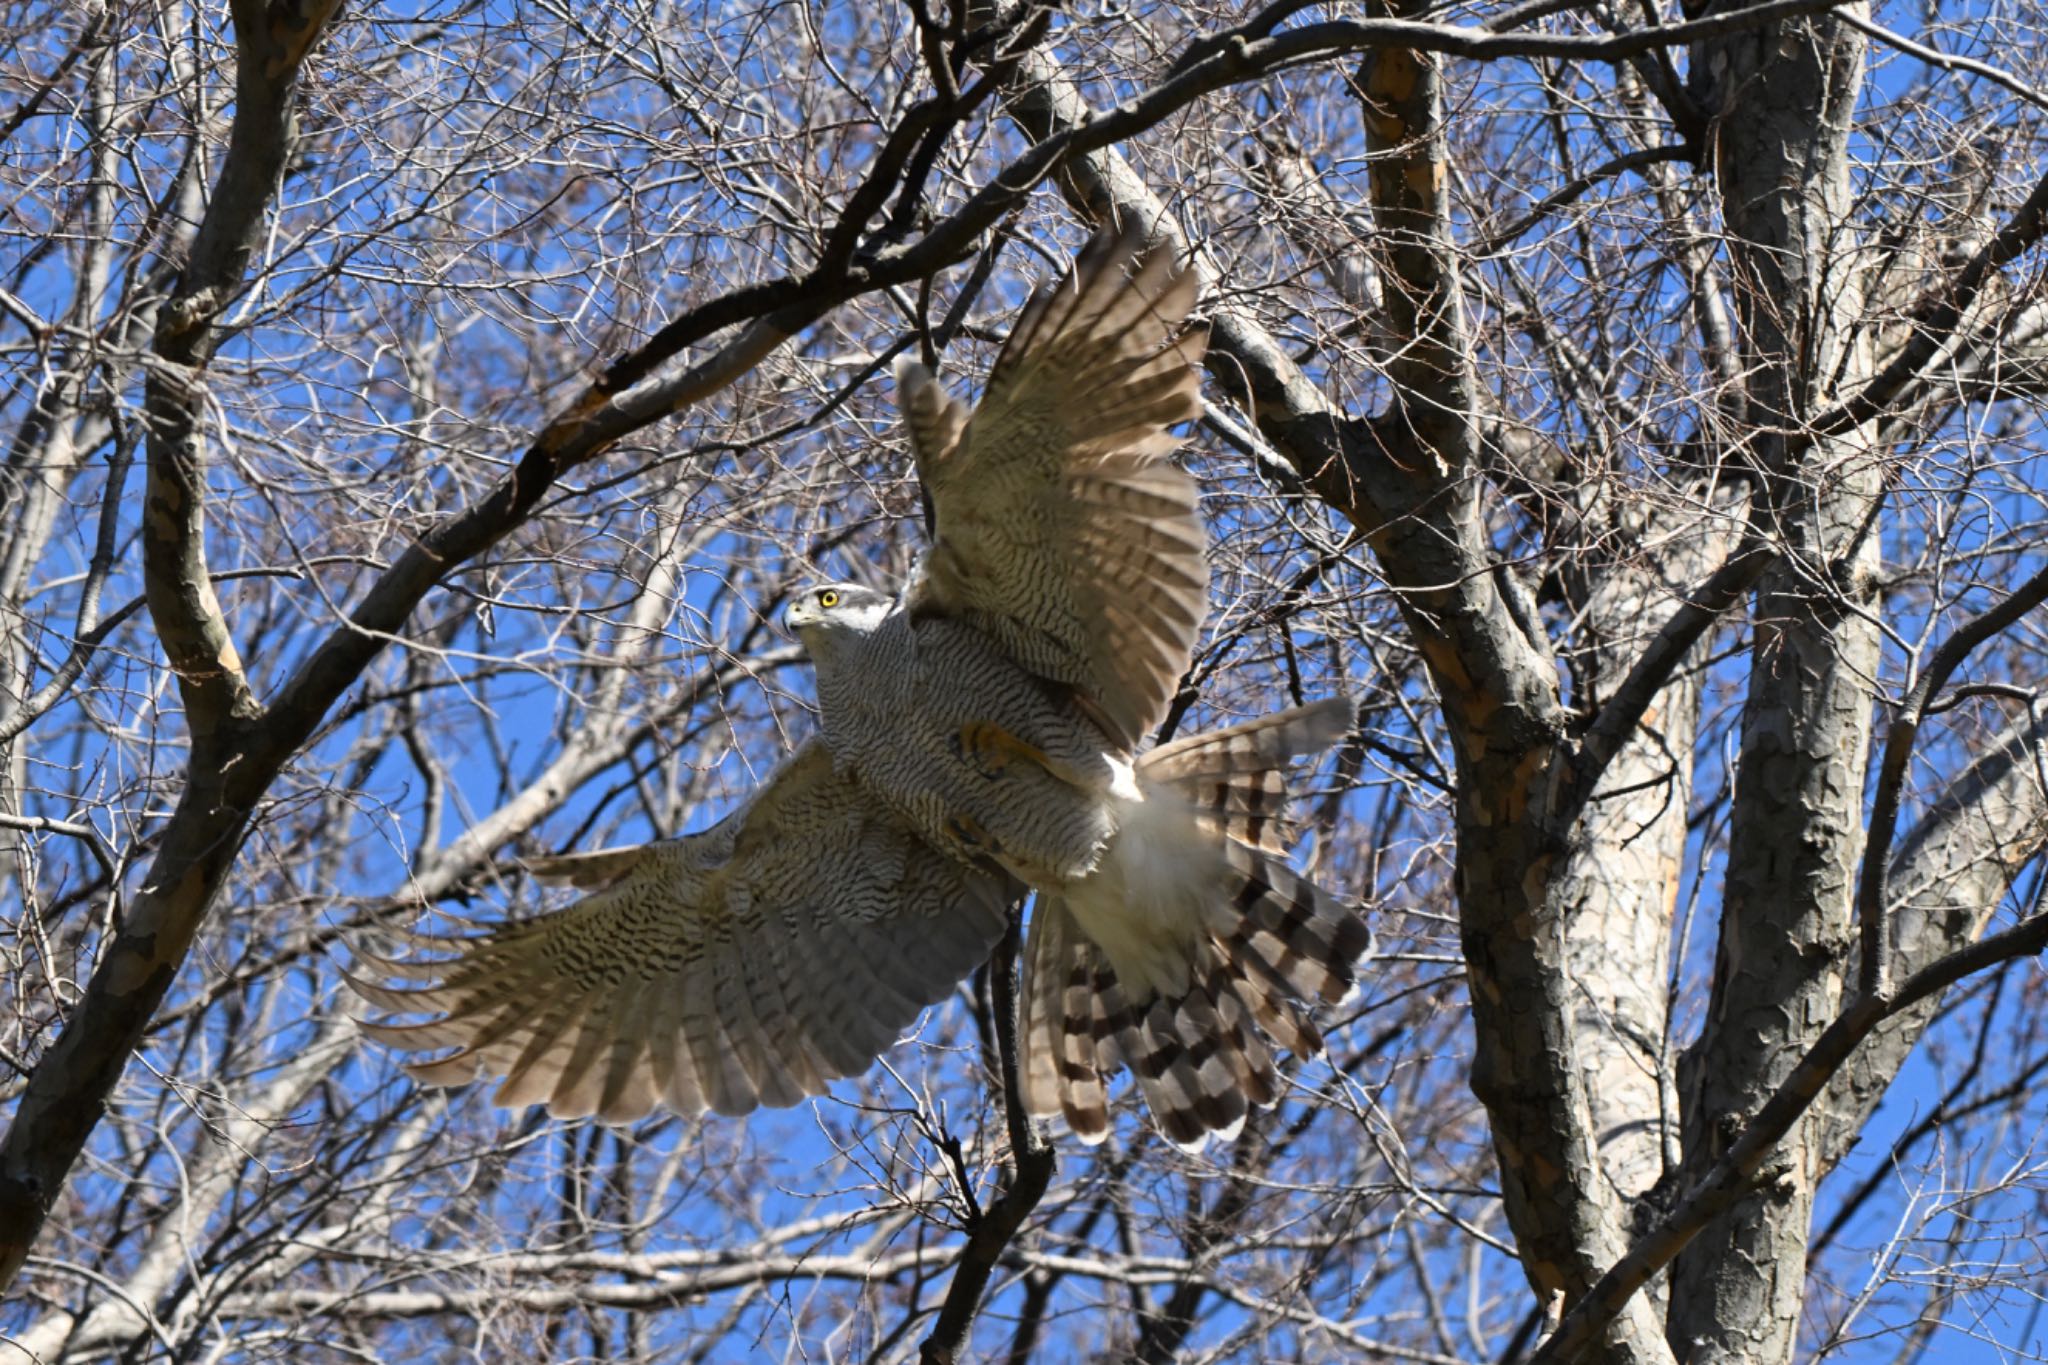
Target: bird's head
830, 609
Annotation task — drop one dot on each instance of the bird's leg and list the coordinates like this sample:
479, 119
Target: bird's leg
973, 836
991, 750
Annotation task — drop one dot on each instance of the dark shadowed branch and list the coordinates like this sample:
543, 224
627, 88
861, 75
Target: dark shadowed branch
991, 1231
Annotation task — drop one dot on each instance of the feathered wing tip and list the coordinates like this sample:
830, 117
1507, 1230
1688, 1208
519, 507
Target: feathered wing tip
1116, 283
588, 871
1147, 377
711, 972
1060, 524
572, 1009
581, 1031
933, 417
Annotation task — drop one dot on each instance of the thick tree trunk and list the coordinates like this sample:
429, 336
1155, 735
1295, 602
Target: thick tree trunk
1619, 883
1492, 665
1784, 96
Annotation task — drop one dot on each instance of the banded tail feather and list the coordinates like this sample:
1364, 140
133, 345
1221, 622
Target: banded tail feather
1199, 1059
1261, 944
1237, 777
1297, 934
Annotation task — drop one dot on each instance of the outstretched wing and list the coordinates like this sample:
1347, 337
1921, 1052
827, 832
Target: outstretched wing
750, 964
1061, 525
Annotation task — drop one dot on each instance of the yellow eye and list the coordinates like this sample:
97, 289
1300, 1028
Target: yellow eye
828, 599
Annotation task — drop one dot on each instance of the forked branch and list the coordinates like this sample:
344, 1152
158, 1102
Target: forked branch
1746, 1166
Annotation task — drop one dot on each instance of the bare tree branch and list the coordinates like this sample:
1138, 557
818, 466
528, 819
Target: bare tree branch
1873, 902
989, 1235
1747, 1164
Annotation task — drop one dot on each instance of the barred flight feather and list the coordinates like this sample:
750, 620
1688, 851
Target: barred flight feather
751, 964
1061, 526
1270, 943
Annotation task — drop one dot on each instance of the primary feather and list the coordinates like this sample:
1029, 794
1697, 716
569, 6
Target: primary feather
1062, 527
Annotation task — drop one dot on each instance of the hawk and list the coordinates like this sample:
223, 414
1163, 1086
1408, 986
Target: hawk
981, 733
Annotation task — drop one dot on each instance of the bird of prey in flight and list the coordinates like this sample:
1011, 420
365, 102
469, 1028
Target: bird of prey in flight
981, 733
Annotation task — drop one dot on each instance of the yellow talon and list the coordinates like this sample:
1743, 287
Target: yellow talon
992, 749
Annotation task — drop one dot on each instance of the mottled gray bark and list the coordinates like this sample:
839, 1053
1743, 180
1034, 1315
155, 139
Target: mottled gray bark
1783, 97
1569, 861
1408, 479
1499, 689
1499, 693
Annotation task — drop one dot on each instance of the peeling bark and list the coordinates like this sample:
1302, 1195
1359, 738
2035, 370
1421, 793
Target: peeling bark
1620, 882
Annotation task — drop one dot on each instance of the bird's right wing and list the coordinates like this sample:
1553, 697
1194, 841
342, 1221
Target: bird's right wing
1061, 526
750, 964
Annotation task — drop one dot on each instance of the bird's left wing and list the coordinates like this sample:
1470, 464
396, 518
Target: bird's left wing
749, 964
1061, 526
